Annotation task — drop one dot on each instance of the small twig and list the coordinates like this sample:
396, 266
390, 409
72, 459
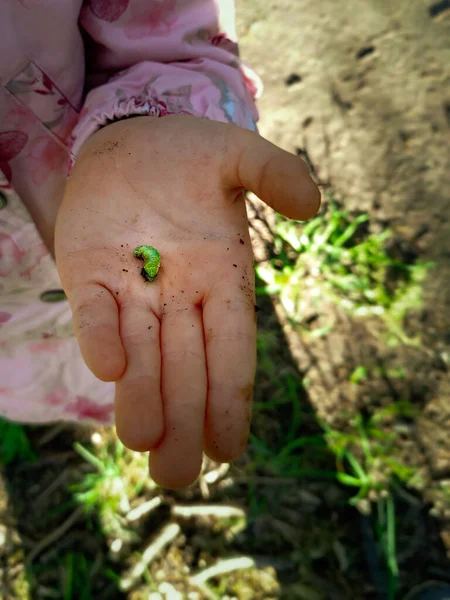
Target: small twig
221, 568
54, 535
213, 476
207, 592
48, 460
51, 488
50, 435
46, 592
207, 510
405, 495
204, 489
168, 534
143, 509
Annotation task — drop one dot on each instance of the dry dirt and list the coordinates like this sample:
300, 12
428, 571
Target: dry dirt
363, 91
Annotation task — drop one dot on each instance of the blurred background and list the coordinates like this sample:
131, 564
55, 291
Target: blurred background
344, 491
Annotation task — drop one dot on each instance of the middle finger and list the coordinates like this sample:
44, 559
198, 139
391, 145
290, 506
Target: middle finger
176, 462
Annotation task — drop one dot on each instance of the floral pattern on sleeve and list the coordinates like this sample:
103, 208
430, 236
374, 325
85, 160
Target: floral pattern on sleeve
40, 95
182, 62
11, 145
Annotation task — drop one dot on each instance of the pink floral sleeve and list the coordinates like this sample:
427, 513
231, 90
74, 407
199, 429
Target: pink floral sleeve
163, 57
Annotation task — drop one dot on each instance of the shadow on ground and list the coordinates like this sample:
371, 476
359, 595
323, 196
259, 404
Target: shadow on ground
301, 534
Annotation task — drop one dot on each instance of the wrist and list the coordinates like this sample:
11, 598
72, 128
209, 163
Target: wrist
112, 134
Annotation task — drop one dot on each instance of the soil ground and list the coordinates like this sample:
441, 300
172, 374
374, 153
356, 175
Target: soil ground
362, 91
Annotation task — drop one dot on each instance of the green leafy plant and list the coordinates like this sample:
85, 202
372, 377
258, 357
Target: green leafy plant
365, 454
118, 476
104, 487
385, 529
76, 577
365, 461
14, 443
334, 256
359, 375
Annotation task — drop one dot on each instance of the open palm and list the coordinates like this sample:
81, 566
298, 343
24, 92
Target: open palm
181, 349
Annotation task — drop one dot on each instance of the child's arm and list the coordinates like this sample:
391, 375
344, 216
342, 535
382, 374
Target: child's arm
159, 57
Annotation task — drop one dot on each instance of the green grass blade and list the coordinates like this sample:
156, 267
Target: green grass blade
88, 456
356, 466
351, 229
391, 541
68, 575
312, 440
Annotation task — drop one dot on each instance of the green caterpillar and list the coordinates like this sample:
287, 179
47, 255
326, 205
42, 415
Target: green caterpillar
152, 261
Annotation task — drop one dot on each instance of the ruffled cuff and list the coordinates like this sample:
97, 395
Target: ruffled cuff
200, 87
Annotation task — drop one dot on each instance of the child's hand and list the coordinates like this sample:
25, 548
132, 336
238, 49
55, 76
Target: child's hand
181, 349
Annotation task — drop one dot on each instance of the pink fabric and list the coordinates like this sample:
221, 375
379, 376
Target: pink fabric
147, 57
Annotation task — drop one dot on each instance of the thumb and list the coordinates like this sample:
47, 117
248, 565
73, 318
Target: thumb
279, 178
